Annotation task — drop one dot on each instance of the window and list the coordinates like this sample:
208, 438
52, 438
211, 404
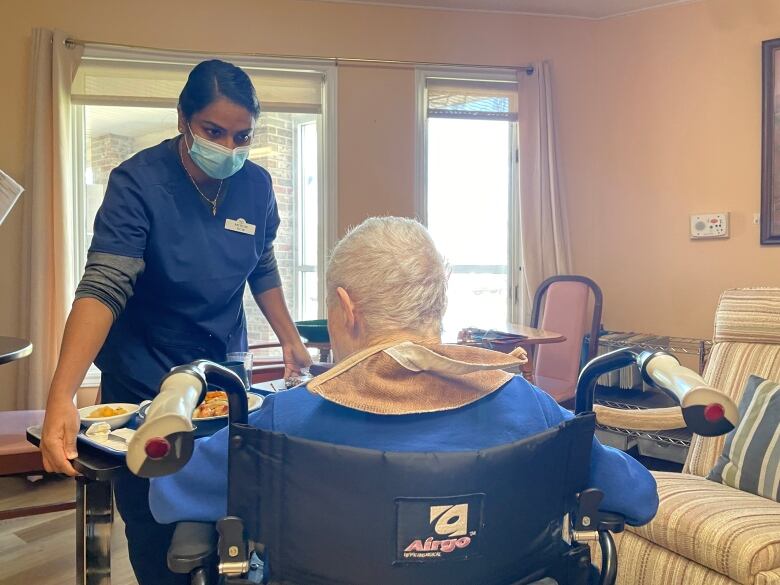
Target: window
469, 193
125, 101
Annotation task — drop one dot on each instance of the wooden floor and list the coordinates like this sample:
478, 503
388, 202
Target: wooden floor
41, 550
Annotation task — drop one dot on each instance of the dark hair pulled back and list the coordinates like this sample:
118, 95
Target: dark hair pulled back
213, 79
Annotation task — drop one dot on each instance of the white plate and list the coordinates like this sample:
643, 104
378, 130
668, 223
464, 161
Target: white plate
113, 421
253, 402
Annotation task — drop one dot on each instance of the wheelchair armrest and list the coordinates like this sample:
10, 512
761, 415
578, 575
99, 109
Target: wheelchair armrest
588, 517
589, 522
192, 545
611, 522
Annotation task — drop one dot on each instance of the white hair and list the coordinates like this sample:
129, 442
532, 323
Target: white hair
394, 275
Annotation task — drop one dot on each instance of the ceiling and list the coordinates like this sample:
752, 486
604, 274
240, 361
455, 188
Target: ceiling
594, 9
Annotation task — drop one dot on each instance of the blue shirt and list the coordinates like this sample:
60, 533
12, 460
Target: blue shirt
187, 303
198, 491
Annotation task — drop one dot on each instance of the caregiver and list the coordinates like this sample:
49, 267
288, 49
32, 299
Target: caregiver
184, 226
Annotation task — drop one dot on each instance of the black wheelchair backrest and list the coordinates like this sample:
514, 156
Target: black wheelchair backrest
332, 514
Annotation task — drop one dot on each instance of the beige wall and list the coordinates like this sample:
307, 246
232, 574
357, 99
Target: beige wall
658, 116
378, 144
679, 111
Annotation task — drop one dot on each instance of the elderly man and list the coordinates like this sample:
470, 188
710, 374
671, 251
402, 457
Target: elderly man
395, 387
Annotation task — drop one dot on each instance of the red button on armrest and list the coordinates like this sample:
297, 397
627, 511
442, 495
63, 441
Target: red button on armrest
714, 412
157, 448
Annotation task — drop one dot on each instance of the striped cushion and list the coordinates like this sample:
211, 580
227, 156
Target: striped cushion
726, 530
749, 315
768, 578
751, 456
728, 369
640, 562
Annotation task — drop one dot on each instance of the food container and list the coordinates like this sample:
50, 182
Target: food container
115, 421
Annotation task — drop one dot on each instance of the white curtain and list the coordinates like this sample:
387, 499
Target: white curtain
47, 286
544, 237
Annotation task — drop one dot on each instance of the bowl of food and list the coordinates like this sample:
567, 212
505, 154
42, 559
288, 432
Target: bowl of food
115, 414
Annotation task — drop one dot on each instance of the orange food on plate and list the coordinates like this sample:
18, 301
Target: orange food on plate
105, 411
215, 395
215, 404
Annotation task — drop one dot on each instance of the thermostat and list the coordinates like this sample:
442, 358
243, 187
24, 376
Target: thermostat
709, 225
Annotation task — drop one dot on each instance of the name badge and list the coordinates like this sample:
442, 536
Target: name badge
240, 225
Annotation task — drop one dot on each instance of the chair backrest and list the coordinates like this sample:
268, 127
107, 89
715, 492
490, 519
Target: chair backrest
332, 514
561, 304
746, 341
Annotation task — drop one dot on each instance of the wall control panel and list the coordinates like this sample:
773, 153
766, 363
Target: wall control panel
709, 225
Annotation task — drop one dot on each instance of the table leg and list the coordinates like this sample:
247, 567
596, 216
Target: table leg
528, 372
528, 368
94, 516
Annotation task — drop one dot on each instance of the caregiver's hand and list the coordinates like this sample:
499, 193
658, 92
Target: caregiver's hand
296, 357
85, 331
58, 442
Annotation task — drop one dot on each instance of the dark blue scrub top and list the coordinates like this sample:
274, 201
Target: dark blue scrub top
187, 304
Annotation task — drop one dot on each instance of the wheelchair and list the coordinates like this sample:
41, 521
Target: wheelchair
303, 512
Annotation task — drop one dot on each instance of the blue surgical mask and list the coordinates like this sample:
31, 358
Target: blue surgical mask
215, 160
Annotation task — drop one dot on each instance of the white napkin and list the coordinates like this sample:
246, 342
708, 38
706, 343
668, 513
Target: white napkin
101, 433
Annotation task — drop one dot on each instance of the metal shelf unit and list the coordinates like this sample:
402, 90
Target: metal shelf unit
667, 445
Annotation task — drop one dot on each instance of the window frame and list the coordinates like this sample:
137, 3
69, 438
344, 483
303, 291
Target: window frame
327, 165
301, 268
514, 250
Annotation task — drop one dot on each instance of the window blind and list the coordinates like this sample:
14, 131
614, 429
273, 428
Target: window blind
470, 99
155, 79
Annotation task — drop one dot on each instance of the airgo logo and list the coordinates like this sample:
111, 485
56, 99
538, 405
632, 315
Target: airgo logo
448, 521
438, 529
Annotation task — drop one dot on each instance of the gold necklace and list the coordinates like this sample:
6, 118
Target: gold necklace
212, 203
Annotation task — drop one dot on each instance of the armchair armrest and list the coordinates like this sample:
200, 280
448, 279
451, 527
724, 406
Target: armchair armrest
651, 419
194, 545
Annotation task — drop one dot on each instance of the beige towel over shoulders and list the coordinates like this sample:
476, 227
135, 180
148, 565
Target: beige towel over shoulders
410, 378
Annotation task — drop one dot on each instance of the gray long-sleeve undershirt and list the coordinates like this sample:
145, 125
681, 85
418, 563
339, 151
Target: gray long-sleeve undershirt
110, 278
266, 275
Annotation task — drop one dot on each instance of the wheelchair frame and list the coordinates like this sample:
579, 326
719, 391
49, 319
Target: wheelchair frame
196, 550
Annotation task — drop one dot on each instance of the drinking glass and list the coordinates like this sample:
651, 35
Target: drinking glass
241, 363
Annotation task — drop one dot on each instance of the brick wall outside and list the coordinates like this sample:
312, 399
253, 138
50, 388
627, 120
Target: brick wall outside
104, 153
